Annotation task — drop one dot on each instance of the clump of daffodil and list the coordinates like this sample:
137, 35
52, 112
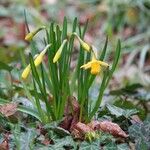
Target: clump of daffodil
59, 51
83, 44
37, 61
95, 65
30, 35
90, 136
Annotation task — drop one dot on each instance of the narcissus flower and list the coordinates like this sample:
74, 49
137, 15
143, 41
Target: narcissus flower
37, 61
95, 66
30, 35
58, 53
83, 44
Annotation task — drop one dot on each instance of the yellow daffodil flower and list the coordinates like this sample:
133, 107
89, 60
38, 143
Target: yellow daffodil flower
37, 62
30, 35
95, 66
83, 44
58, 53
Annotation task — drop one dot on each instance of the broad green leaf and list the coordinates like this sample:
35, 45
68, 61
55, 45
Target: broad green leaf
29, 111
129, 89
110, 146
124, 146
23, 140
121, 112
140, 132
54, 126
64, 142
95, 145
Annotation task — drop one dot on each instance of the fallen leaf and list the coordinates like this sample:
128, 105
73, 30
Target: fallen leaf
71, 114
46, 142
4, 145
108, 126
8, 109
72, 106
112, 128
95, 125
79, 130
66, 123
76, 134
81, 127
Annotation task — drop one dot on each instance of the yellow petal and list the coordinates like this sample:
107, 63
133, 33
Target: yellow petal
86, 66
58, 53
103, 63
26, 72
95, 68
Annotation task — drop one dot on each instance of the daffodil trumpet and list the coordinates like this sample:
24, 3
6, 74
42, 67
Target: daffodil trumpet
59, 51
30, 35
95, 66
37, 61
86, 46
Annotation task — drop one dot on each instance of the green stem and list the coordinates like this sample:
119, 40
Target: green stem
99, 100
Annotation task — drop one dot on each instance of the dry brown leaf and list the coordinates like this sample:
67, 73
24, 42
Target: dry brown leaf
79, 130
83, 128
72, 106
108, 126
66, 123
112, 128
95, 125
4, 145
76, 134
8, 109
71, 114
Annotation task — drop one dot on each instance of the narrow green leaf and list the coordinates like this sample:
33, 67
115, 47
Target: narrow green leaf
26, 22
104, 50
100, 96
4, 66
38, 105
64, 31
115, 62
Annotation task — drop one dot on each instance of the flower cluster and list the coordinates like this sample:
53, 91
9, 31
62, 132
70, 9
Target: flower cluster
95, 65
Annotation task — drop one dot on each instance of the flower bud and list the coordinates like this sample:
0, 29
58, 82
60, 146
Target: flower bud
59, 51
25, 72
38, 59
83, 44
30, 35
